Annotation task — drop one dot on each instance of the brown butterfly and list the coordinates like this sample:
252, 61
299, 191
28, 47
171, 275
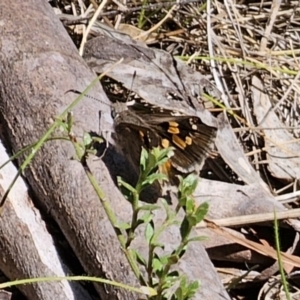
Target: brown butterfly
141, 124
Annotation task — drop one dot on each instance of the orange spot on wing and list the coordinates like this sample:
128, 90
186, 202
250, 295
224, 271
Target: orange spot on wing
166, 168
173, 124
141, 134
173, 127
165, 143
188, 140
179, 142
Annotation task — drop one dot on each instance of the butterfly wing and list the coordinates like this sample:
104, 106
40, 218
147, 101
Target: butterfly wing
188, 135
140, 124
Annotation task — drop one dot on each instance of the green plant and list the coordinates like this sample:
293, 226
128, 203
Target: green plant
160, 269
159, 279
284, 281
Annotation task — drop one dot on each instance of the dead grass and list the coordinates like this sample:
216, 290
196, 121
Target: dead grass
249, 50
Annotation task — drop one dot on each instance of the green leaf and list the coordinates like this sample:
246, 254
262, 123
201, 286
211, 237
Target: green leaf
179, 293
173, 259
184, 229
188, 184
194, 285
69, 121
192, 289
152, 159
189, 205
98, 139
122, 225
149, 165
144, 158
138, 223
62, 126
87, 139
149, 231
156, 265
183, 281
201, 212
146, 217
155, 244
183, 250
182, 289
171, 278
197, 239
161, 154
154, 177
192, 220
164, 259
170, 214
139, 258
149, 207
126, 185
148, 291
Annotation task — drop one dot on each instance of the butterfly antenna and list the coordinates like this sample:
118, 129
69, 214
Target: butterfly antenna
129, 91
133, 77
88, 96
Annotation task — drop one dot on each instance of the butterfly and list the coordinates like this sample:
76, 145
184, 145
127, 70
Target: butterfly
139, 124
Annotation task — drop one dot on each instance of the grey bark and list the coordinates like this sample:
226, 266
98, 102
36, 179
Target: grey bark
27, 249
39, 63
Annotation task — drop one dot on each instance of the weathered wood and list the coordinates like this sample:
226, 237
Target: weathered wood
26, 248
39, 64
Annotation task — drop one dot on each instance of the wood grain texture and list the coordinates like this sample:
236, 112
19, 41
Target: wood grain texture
39, 64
